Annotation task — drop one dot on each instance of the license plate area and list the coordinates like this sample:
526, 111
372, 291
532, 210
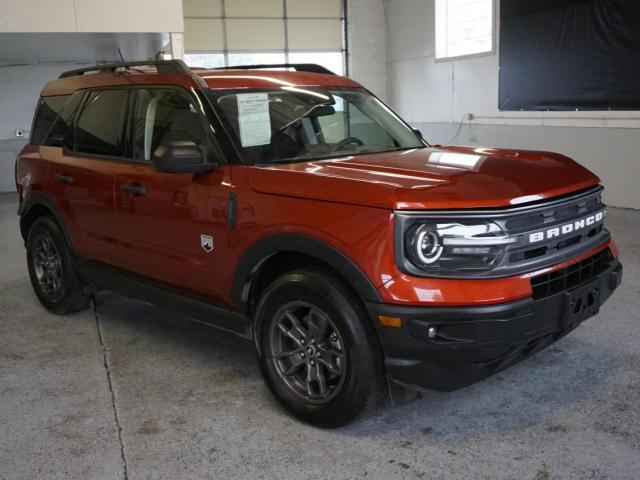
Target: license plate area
582, 302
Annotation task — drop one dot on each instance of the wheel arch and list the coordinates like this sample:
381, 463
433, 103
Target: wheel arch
297, 250
35, 205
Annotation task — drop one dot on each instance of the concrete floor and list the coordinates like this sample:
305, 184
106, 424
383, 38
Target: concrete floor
139, 393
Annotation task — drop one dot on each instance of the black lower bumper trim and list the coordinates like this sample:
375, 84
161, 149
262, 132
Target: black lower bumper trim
449, 348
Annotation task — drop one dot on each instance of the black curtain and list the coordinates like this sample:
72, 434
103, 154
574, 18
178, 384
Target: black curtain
569, 54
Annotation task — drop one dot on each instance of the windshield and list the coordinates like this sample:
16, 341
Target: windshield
296, 124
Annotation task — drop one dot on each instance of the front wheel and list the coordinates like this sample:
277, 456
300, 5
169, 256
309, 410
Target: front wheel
316, 350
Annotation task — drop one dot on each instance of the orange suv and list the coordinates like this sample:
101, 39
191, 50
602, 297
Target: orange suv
289, 205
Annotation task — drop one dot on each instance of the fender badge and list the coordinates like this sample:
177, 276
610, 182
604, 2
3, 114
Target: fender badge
206, 242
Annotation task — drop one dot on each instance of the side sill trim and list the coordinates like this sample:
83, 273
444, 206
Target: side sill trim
162, 296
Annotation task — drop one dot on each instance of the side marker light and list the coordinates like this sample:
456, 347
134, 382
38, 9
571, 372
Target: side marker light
392, 322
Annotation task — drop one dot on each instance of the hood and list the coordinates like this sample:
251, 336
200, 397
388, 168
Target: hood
428, 178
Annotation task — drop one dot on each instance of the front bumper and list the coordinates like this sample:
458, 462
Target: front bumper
472, 343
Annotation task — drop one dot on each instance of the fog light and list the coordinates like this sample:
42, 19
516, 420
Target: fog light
433, 332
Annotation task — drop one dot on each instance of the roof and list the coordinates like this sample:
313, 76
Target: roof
215, 78
271, 78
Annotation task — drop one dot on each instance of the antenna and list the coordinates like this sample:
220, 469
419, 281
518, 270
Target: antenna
120, 53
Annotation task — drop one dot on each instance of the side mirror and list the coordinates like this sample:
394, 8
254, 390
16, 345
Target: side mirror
180, 157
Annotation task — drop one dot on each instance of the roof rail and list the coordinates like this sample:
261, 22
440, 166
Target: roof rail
163, 67
298, 67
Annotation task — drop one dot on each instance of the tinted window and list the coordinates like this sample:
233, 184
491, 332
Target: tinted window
300, 124
100, 127
47, 112
164, 116
61, 132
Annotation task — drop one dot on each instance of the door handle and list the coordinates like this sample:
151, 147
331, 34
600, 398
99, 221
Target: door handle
137, 190
59, 177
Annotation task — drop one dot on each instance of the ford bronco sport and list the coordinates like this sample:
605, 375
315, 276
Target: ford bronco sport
290, 206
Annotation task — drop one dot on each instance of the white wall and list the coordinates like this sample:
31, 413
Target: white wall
438, 97
91, 16
21, 86
37, 31
367, 43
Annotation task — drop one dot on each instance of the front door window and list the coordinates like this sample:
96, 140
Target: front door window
165, 116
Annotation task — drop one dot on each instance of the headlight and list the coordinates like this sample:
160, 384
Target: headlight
451, 247
426, 245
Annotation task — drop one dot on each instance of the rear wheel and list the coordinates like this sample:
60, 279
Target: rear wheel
51, 271
316, 350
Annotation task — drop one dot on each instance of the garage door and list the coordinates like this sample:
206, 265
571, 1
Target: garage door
233, 32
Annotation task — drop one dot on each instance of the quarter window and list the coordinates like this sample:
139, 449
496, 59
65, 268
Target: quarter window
48, 110
61, 132
100, 128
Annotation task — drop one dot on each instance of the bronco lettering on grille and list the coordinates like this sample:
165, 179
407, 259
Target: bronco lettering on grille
567, 228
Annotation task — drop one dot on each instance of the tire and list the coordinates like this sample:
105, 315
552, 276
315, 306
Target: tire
51, 271
317, 350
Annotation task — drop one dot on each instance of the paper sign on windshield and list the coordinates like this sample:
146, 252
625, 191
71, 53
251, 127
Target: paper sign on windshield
253, 118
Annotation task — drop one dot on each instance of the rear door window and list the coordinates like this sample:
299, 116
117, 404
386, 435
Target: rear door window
48, 110
101, 124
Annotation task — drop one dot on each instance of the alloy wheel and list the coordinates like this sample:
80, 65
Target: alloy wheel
307, 351
47, 265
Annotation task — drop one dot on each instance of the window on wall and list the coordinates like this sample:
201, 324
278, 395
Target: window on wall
463, 27
256, 58
222, 33
207, 60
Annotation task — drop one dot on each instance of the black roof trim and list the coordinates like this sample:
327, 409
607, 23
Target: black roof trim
298, 67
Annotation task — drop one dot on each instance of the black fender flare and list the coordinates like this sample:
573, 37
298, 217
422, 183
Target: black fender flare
278, 243
34, 199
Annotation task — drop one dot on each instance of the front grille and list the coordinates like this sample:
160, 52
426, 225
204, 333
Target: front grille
530, 252
526, 255
576, 274
558, 212
545, 233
